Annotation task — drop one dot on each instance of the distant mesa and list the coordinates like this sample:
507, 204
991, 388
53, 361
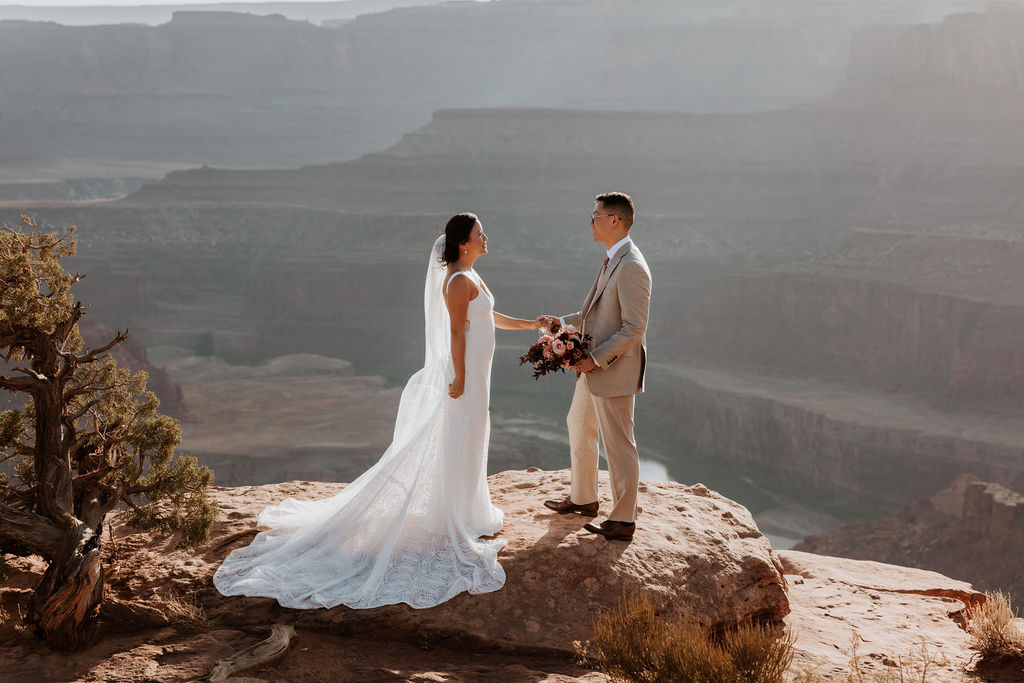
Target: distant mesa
246, 90
222, 19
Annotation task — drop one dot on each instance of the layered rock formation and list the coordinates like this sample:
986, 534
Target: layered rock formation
694, 550
870, 447
966, 50
937, 315
264, 91
889, 620
870, 356
99, 15
973, 530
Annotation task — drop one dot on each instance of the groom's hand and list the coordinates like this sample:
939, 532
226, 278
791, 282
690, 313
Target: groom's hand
585, 365
547, 321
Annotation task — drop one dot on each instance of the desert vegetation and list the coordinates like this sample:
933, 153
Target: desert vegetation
994, 632
634, 644
86, 439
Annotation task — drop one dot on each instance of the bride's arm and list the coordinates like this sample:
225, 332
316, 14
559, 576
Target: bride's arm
460, 292
504, 322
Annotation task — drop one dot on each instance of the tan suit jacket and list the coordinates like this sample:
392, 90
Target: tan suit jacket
615, 314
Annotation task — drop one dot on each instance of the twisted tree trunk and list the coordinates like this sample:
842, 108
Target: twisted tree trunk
65, 606
83, 443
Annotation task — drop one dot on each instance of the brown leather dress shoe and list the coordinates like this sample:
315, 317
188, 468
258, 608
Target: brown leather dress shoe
611, 530
566, 506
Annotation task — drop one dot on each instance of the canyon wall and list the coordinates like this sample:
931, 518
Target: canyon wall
969, 529
865, 345
938, 316
98, 15
877, 449
967, 50
241, 90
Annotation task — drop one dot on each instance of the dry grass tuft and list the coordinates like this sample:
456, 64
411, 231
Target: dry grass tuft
633, 644
914, 667
993, 631
188, 613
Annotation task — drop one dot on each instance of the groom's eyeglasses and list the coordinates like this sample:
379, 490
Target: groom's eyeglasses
595, 216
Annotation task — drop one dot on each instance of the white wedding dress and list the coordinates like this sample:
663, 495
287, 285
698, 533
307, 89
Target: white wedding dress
408, 529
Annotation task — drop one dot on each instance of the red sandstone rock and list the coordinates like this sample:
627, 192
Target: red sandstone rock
891, 610
694, 549
690, 540
973, 530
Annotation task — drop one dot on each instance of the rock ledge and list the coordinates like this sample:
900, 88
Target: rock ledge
694, 550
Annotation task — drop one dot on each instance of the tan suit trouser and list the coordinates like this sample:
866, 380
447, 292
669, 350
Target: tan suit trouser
610, 418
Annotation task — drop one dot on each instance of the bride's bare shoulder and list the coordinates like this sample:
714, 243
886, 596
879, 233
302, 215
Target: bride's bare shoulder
461, 287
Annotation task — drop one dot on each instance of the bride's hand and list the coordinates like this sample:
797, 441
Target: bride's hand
457, 386
544, 322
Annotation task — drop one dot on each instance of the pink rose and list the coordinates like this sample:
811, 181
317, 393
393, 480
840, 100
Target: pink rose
547, 353
546, 338
558, 346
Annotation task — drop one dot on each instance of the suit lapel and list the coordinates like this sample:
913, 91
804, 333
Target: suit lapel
592, 292
602, 281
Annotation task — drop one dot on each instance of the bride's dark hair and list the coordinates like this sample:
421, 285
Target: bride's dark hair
456, 233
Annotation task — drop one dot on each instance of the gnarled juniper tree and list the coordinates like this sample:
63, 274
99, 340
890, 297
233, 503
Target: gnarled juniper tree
87, 439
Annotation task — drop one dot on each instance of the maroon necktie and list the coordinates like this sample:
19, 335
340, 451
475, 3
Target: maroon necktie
604, 264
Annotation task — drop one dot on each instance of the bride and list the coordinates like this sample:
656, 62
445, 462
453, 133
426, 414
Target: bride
409, 528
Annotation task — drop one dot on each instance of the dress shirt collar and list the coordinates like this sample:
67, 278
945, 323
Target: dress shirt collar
618, 245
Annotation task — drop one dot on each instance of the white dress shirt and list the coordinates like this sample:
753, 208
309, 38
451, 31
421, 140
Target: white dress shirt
615, 247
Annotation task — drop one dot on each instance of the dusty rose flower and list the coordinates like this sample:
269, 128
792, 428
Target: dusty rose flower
569, 346
547, 353
546, 338
558, 346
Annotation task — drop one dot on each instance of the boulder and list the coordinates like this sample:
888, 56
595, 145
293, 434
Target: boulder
967, 531
693, 547
694, 551
897, 616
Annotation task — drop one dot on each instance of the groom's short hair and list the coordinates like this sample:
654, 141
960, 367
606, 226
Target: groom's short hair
619, 203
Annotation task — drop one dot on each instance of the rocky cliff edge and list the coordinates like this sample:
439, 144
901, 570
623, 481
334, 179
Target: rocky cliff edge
694, 550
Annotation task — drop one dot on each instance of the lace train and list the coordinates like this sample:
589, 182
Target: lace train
408, 529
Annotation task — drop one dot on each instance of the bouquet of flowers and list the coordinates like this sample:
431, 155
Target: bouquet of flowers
558, 348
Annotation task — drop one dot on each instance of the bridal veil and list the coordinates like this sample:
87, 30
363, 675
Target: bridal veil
409, 528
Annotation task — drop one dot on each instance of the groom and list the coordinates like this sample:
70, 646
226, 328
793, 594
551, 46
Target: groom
615, 315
